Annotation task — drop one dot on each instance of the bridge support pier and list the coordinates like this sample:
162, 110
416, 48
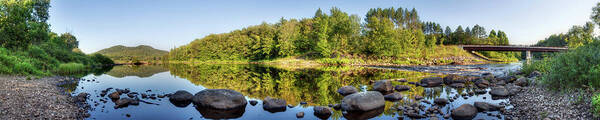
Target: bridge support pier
528, 56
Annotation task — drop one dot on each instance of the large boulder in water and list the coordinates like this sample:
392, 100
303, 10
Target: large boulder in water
454, 79
431, 82
500, 91
322, 112
401, 88
464, 112
384, 86
484, 106
347, 90
219, 99
180, 96
363, 101
274, 104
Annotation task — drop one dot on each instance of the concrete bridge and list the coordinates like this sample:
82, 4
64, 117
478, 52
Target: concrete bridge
527, 49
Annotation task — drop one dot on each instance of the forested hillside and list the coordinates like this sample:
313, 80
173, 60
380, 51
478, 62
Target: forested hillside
384, 33
28, 47
141, 52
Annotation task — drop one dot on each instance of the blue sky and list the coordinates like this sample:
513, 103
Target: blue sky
165, 24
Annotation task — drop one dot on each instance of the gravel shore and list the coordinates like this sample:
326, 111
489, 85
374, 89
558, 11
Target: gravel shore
36, 99
538, 102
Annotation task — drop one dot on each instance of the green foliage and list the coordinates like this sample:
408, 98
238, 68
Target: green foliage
577, 36
387, 33
27, 46
101, 59
23, 23
596, 104
540, 65
70, 68
575, 68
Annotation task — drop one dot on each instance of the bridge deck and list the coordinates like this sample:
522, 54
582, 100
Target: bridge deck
512, 48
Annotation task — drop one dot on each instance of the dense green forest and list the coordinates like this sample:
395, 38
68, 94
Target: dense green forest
121, 53
28, 47
388, 33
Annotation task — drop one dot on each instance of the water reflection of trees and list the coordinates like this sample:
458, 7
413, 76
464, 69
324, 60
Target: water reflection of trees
317, 86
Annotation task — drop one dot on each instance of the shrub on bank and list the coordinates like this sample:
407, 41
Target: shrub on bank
596, 104
70, 68
572, 69
101, 59
539, 65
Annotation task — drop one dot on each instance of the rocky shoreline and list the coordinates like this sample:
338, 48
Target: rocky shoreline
537, 102
30, 98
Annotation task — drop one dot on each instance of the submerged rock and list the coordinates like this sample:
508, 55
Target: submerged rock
457, 85
124, 102
431, 82
253, 102
274, 104
401, 88
383, 86
219, 99
322, 112
347, 90
418, 97
454, 79
300, 115
393, 96
464, 112
114, 95
441, 101
484, 106
130, 95
363, 101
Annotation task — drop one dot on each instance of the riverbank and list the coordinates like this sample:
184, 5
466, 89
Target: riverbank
30, 98
538, 102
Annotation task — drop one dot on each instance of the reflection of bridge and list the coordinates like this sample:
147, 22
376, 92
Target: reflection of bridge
527, 49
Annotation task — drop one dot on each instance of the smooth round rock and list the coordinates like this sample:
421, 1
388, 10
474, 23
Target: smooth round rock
363, 101
464, 112
219, 99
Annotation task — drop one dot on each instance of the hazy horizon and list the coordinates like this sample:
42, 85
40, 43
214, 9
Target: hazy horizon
166, 24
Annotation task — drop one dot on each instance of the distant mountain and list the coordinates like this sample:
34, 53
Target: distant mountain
141, 52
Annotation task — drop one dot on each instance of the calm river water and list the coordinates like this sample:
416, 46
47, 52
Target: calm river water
315, 86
